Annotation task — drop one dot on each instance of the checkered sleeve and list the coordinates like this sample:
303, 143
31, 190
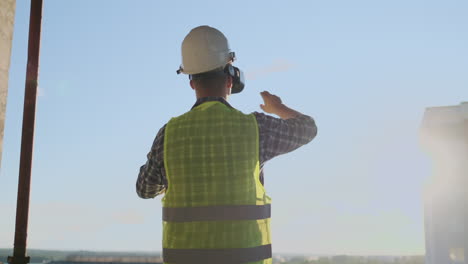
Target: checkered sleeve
151, 180
280, 136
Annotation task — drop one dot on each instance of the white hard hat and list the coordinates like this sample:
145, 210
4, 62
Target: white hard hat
204, 49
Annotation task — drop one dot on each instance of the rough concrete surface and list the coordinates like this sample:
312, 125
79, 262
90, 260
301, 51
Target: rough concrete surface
7, 19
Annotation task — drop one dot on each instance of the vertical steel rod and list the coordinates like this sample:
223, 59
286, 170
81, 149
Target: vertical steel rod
27, 138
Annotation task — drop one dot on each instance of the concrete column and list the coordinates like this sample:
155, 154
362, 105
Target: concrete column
444, 134
7, 19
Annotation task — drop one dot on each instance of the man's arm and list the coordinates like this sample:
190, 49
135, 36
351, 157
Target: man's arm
285, 134
151, 180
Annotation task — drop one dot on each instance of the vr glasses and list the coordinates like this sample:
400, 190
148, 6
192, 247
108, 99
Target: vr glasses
238, 80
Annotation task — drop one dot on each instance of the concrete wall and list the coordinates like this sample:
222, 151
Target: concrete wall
444, 135
7, 18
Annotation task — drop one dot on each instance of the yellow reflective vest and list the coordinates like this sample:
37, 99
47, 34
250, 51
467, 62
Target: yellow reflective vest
215, 209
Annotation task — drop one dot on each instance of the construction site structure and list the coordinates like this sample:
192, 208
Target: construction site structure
444, 135
7, 19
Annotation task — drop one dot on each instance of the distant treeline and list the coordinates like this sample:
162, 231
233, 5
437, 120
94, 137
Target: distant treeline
37, 255
40, 256
352, 260
69, 257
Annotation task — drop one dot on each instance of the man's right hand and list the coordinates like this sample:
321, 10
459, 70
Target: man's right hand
273, 105
271, 102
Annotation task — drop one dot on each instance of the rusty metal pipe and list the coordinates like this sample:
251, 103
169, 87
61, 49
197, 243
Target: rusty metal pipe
27, 138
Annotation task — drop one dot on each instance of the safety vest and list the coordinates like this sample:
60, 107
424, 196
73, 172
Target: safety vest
215, 210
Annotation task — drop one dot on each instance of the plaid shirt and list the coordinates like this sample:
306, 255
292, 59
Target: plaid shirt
276, 137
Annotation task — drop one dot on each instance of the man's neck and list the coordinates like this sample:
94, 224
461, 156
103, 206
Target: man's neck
210, 99
224, 96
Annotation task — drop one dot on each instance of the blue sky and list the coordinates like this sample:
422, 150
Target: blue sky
365, 70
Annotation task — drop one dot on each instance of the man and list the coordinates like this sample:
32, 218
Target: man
209, 162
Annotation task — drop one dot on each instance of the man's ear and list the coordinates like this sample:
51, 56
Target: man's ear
229, 85
229, 82
192, 84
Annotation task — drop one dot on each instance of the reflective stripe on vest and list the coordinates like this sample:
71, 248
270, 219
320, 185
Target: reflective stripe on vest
217, 256
217, 213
